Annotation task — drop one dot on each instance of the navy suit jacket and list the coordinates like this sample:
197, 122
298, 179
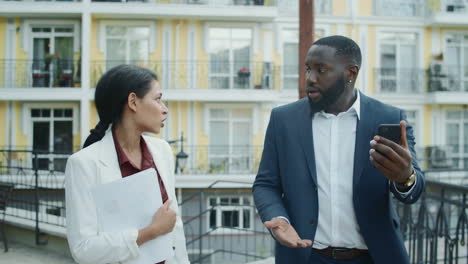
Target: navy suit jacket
286, 183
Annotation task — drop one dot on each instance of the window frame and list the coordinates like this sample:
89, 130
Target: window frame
418, 60
219, 229
231, 120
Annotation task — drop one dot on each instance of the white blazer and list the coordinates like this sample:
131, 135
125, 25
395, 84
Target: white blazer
98, 164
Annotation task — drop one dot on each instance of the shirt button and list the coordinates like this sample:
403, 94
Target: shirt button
312, 222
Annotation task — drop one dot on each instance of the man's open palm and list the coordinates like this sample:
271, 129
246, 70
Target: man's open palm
285, 234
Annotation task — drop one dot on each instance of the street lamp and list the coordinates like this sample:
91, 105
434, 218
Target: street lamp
181, 157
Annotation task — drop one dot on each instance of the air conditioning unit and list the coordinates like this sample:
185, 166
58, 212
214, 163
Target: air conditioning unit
438, 157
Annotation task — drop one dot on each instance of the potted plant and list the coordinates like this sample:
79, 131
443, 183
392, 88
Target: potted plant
243, 73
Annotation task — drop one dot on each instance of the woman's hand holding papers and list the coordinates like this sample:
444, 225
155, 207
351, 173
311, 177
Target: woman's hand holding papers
163, 222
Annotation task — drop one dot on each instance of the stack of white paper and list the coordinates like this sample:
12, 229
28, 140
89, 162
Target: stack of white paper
131, 202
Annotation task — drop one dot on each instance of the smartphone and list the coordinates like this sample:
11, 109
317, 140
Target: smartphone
390, 131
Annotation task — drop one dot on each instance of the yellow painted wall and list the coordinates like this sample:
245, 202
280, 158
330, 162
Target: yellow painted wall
3, 24
97, 57
202, 57
180, 55
365, 7
427, 42
3, 110
340, 7
93, 116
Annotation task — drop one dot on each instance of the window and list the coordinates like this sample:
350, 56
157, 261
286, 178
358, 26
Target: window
126, 44
457, 136
52, 56
291, 57
231, 212
230, 149
230, 51
457, 61
52, 134
398, 62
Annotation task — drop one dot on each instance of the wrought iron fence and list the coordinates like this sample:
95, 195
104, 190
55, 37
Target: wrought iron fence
38, 195
41, 73
222, 226
221, 159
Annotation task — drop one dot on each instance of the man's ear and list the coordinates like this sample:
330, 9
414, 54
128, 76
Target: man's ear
132, 101
352, 72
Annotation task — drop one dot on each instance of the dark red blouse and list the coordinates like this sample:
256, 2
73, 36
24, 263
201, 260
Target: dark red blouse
128, 168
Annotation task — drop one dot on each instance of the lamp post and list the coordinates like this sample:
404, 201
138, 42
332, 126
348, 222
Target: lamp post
181, 157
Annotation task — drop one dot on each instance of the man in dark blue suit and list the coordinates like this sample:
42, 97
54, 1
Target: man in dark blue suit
326, 178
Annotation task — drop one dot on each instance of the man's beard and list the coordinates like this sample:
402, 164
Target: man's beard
328, 97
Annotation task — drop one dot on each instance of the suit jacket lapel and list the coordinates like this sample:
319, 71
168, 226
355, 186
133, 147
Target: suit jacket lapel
109, 169
306, 136
364, 135
160, 163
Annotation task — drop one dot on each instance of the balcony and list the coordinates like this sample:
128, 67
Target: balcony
207, 81
449, 12
399, 8
247, 10
40, 73
399, 81
27, 7
449, 85
222, 160
200, 2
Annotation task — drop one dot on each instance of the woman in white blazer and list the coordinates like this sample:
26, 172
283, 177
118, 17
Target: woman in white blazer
128, 102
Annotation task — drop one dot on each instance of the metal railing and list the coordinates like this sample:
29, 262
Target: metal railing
221, 160
398, 80
224, 228
448, 78
221, 224
201, 2
435, 229
40, 73
400, 8
38, 194
201, 74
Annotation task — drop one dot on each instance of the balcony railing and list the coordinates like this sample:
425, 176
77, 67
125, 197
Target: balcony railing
448, 78
201, 2
400, 8
392, 80
216, 160
43, 73
202, 74
223, 230
291, 7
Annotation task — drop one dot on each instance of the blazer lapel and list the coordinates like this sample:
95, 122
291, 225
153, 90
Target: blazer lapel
109, 169
364, 135
306, 136
161, 164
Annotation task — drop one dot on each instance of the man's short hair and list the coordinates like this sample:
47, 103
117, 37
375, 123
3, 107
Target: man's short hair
344, 47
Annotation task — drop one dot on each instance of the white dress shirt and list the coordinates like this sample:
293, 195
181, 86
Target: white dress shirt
334, 139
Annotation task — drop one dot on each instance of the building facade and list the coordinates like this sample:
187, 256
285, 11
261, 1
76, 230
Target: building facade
223, 65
